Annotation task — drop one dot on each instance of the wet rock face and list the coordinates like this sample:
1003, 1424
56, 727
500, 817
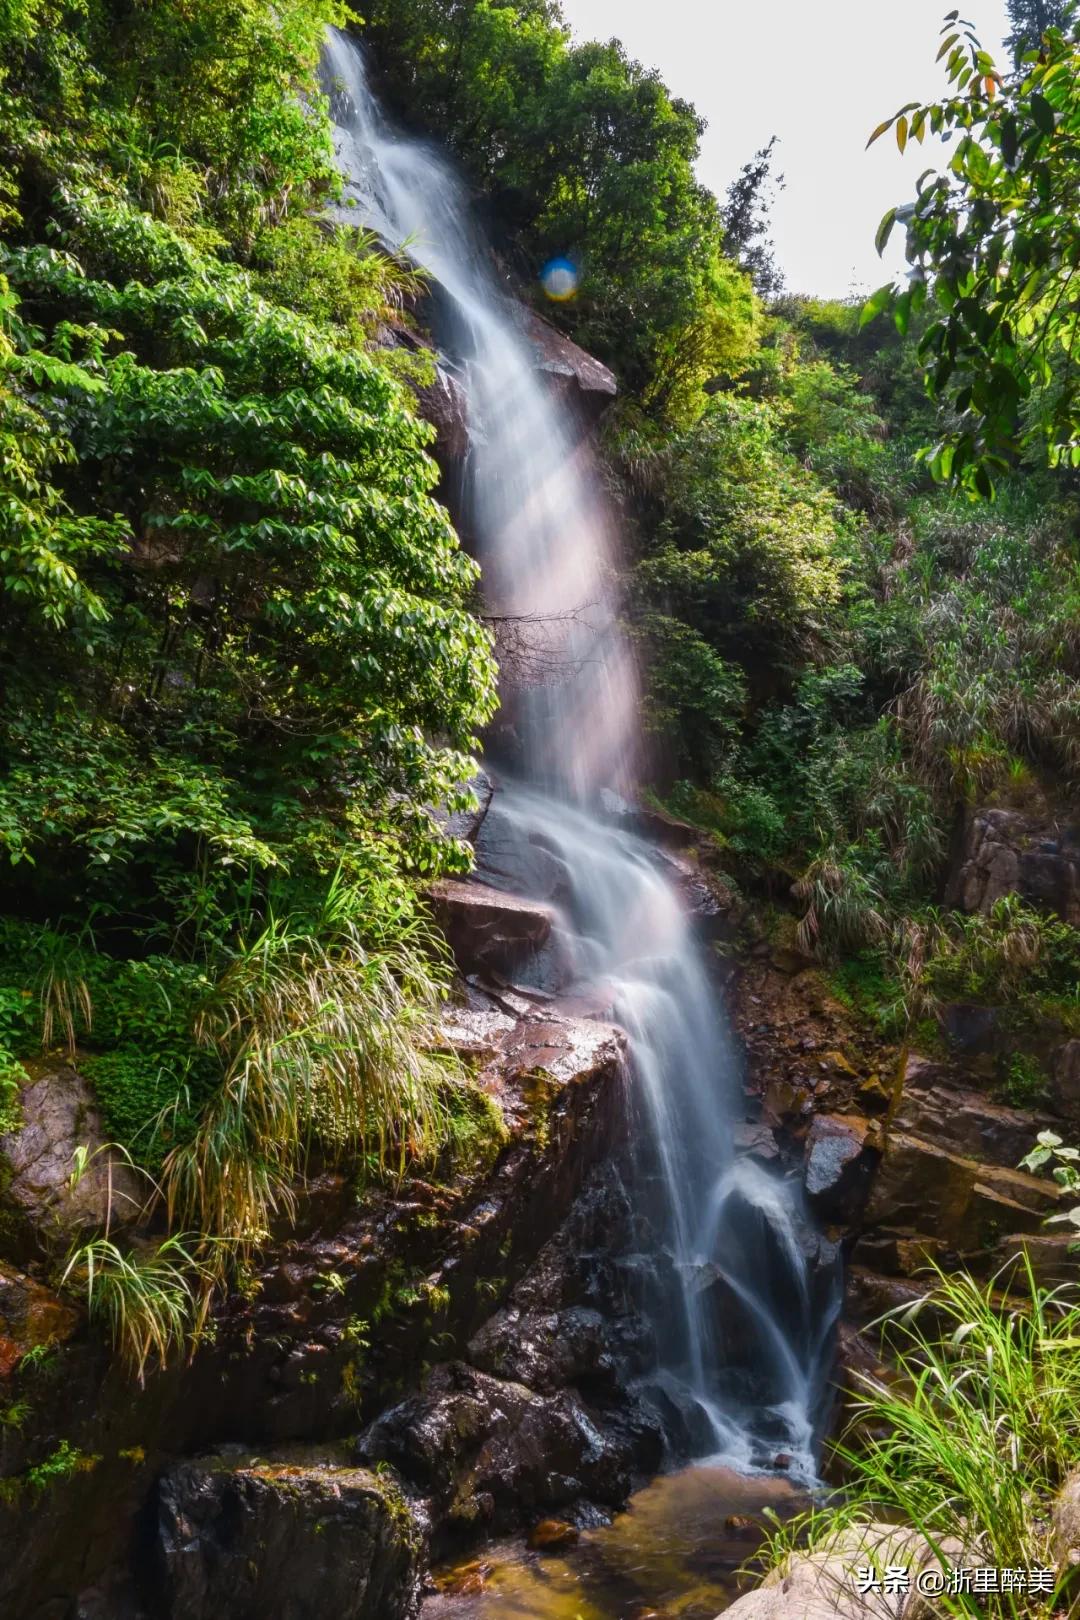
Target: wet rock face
580, 377
487, 929
260, 1540
30, 1316
540, 1418
544, 1349
45, 1210
488, 1452
1007, 852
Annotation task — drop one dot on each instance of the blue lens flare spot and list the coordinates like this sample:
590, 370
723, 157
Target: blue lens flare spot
559, 279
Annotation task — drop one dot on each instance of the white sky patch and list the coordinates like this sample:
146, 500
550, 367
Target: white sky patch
820, 74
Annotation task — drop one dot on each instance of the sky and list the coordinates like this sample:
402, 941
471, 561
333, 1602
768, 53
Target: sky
820, 74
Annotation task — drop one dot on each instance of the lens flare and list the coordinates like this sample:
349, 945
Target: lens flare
559, 279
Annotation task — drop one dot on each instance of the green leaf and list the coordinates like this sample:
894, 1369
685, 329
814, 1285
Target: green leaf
875, 304
1042, 113
884, 231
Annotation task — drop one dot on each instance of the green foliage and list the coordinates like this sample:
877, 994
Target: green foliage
972, 1437
1063, 1161
1012, 957
475, 1127
319, 1038
994, 241
1025, 1081
1030, 20
238, 670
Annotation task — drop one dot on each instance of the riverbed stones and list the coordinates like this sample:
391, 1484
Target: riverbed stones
285, 1539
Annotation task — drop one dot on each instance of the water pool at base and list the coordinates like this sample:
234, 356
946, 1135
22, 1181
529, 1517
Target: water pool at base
673, 1555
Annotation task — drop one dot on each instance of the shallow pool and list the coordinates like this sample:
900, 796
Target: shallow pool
673, 1555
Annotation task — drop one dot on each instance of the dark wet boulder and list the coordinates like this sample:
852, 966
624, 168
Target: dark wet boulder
544, 1349
582, 379
489, 1452
281, 1540
488, 929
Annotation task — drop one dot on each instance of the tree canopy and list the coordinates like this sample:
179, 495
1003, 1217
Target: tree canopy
584, 154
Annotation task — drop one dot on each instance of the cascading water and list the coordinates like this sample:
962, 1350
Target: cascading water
729, 1236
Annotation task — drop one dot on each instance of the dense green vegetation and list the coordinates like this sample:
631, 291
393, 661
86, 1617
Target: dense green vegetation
994, 246
237, 662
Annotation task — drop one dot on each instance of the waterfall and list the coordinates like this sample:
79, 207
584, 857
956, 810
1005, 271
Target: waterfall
729, 1239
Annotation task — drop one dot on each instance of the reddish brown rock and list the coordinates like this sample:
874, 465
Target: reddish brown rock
487, 928
30, 1316
551, 1533
964, 1204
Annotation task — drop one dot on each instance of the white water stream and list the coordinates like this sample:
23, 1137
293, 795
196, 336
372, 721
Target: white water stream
729, 1237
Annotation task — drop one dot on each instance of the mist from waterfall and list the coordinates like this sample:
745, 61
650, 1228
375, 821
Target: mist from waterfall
742, 1329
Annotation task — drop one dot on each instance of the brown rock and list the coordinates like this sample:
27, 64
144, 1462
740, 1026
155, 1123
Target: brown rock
581, 377
1008, 852
551, 1533
60, 1116
786, 1100
489, 929
966, 1205
1051, 1256
30, 1316
969, 1123
1065, 1081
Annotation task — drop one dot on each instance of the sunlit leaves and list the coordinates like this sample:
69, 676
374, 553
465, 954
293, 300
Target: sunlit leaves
997, 239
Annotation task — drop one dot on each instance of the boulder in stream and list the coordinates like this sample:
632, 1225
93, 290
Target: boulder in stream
285, 1540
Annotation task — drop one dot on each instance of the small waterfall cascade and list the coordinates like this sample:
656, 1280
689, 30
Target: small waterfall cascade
742, 1324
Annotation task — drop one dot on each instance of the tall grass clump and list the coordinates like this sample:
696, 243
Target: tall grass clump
971, 1436
325, 1042
151, 1300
